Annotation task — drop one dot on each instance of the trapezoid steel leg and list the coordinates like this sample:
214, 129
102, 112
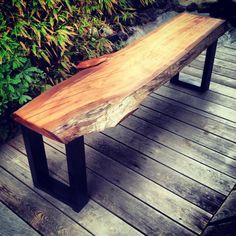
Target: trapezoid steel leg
74, 195
75, 154
207, 71
36, 157
208, 66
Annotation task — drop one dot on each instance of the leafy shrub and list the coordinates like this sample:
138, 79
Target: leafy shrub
56, 33
17, 86
19, 80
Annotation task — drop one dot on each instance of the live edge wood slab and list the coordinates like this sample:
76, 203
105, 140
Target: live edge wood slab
111, 87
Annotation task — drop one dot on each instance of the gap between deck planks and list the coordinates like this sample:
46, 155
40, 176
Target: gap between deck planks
189, 116
183, 146
173, 159
222, 58
37, 212
228, 71
52, 155
155, 197
231, 45
191, 107
189, 132
217, 96
214, 87
200, 104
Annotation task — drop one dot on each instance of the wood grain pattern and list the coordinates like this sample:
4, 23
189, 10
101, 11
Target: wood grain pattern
197, 102
210, 141
41, 215
173, 159
181, 185
103, 94
200, 121
7, 217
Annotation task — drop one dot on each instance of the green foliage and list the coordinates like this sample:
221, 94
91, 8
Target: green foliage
19, 82
17, 86
54, 34
18, 79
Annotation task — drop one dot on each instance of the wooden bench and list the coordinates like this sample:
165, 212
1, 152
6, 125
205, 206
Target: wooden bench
105, 92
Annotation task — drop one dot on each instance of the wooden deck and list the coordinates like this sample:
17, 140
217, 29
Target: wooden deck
165, 170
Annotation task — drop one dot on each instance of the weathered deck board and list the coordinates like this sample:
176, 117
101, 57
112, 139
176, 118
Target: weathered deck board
205, 108
219, 94
220, 79
173, 159
37, 212
189, 132
225, 50
161, 174
211, 96
176, 111
182, 145
231, 45
214, 87
213, 108
217, 69
159, 198
227, 61
11, 224
194, 110
224, 221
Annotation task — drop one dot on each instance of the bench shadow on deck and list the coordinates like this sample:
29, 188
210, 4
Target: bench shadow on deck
170, 167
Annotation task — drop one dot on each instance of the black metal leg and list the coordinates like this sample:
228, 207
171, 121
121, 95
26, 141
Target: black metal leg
175, 79
77, 172
36, 157
74, 195
208, 66
207, 71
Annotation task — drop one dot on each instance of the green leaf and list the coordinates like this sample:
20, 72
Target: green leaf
28, 78
16, 65
11, 88
24, 98
15, 81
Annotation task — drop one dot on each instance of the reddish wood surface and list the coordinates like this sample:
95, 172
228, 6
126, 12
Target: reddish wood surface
114, 85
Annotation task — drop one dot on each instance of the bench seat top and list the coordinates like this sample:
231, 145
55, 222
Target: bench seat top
113, 86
